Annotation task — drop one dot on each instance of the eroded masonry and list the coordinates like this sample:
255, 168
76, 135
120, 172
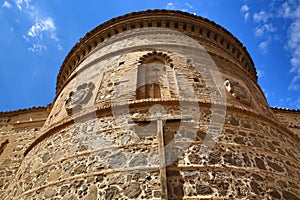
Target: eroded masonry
153, 105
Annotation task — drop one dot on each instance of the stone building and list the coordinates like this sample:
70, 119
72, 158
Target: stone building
153, 105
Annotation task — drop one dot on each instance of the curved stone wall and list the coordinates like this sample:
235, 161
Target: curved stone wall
95, 159
213, 36
152, 113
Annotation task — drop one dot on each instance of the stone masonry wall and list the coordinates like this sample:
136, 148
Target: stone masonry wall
18, 130
195, 126
289, 118
94, 159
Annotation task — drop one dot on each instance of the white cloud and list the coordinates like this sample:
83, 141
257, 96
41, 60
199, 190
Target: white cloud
266, 28
263, 46
170, 6
261, 16
36, 48
59, 47
244, 8
260, 73
189, 6
41, 26
21, 3
291, 10
288, 12
246, 16
294, 34
6, 4
259, 31
295, 83
285, 99
185, 7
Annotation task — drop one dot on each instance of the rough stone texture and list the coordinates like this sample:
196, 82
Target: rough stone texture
289, 118
18, 129
116, 145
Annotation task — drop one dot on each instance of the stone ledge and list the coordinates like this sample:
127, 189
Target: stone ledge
106, 109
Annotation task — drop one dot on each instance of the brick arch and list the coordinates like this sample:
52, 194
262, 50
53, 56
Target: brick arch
156, 57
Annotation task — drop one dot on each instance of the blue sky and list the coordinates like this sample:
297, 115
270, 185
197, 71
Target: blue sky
36, 35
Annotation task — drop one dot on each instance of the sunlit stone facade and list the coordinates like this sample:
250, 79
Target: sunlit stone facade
153, 105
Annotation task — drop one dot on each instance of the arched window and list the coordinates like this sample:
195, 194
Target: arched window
154, 72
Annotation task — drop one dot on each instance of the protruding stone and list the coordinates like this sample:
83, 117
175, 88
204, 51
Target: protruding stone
111, 192
117, 160
234, 121
260, 163
255, 187
54, 175
275, 194
289, 196
92, 194
46, 157
232, 159
214, 158
203, 189
275, 166
239, 140
133, 190
138, 160
50, 193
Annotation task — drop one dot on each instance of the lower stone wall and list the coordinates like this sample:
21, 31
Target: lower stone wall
13, 145
289, 118
97, 159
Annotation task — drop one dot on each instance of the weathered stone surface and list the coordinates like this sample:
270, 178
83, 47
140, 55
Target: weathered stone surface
214, 158
70, 197
54, 175
133, 190
80, 169
288, 195
203, 190
255, 187
257, 177
232, 159
195, 159
50, 193
239, 140
138, 160
46, 157
234, 121
111, 192
63, 190
98, 152
92, 194
260, 163
117, 160
223, 188
275, 194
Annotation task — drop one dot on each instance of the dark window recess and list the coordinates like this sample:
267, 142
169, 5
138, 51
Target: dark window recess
193, 29
167, 24
176, 25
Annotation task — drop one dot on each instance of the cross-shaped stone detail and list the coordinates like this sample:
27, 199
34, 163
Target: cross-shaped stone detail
160, 119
